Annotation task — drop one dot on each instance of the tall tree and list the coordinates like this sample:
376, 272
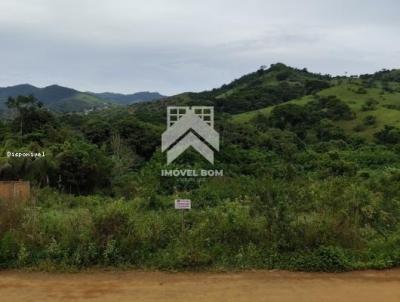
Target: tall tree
21, 104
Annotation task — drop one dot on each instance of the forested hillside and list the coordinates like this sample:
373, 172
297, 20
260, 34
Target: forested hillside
66, 100
311, 176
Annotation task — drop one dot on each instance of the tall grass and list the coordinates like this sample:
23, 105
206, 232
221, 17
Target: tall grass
326, 225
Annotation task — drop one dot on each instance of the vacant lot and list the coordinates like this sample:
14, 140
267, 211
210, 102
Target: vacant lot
246, 286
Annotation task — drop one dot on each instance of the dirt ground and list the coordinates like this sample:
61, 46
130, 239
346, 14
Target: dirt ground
192, 287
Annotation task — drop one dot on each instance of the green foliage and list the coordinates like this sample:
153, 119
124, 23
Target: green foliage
300, 190
82, 167
369, 105
315, 115
388, 135
324, 259
369, 120
331, 225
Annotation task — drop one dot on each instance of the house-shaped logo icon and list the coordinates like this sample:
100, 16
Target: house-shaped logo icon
190, 127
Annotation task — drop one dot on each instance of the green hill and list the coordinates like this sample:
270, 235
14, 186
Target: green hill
126, 99
265, 87
373, 98
63, 99
366, 96
55, 97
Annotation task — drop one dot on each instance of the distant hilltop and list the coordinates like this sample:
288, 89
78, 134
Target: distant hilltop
64, 99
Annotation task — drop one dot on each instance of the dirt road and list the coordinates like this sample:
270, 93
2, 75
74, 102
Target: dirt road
255, 286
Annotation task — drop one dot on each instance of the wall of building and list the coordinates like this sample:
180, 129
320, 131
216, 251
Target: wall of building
15, 190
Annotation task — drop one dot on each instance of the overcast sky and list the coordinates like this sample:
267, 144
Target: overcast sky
172, 46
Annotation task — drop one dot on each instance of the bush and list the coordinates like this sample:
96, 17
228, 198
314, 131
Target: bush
323, 259
388, 135
369, 105
369, 120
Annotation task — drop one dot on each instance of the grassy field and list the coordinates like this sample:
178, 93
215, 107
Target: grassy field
386, 110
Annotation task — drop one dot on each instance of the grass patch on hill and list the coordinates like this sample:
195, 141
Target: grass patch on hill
384, 106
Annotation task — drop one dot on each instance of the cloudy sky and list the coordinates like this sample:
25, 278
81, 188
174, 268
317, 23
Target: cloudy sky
172, 46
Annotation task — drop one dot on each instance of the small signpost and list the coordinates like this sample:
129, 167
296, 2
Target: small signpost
183, 204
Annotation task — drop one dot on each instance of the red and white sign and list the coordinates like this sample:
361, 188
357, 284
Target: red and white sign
183, 204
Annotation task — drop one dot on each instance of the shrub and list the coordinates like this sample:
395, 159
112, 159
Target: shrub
369, 120
369, 105
323, 259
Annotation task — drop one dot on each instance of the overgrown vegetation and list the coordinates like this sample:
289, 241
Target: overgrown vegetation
301, 190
